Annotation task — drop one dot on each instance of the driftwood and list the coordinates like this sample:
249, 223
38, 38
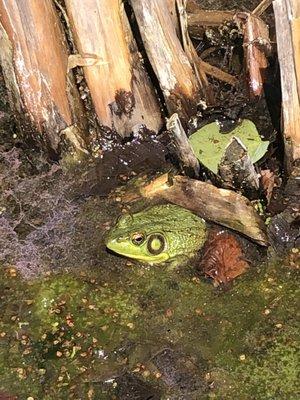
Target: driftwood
287, 18
171, 65
188, 160
34, 61
221, 206
256, 45
121, 91
237, 170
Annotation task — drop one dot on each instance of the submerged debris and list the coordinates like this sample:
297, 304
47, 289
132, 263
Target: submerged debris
223, 259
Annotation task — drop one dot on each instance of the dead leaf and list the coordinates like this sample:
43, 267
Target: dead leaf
223, 258
268, 181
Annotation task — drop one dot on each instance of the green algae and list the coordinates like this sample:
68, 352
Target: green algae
66, 335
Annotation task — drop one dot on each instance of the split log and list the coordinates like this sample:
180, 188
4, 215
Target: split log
170, 63
121, 91
187, 158
287, 19
221, 206
34, 62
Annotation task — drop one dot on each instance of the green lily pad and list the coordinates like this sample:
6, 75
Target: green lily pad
209, 144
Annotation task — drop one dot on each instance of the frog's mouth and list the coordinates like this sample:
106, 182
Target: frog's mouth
137, 253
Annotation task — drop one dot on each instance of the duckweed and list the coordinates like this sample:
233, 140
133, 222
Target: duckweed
71, 335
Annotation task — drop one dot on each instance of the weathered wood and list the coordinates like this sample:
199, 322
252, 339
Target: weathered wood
221, 206
218, 73
262, 7
237, 170
188, 160
34, 61
199, 19
121, 91
256, 45
287, 18
191, 53
171, 65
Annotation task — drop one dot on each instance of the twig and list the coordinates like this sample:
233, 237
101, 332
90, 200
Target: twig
218, 73
261, 8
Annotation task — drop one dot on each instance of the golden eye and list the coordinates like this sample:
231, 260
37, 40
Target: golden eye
138, 238
156, 244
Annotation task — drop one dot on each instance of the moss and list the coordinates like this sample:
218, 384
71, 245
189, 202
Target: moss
65, 335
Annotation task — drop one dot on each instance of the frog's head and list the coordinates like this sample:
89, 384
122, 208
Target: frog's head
131, 237
159, 234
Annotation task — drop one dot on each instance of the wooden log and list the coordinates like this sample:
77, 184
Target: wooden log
121, 91
171, 65
187, 158
221, 206
287, 19
199, 19
34, 61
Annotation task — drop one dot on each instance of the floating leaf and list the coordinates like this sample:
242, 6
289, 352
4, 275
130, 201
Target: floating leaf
209, 143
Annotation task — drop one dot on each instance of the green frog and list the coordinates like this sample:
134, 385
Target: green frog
160, 234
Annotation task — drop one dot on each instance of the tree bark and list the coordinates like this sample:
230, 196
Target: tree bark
34, 62
287, 18
121, 91
171, 65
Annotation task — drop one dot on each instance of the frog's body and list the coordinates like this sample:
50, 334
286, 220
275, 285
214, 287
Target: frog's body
160, 234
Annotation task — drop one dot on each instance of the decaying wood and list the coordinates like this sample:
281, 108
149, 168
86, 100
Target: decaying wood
34, 60
221, 206
237, 170
218, 73
171, 65
173, 11
287, 18
199, 19
261, 8
188, 160
121, 91
256, 44
191, 53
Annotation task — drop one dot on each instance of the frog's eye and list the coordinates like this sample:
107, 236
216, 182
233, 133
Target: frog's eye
156, 244
138, 238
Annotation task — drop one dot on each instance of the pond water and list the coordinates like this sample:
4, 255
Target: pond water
80, 323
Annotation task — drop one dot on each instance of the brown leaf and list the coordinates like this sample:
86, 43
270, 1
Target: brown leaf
223, 258
268, 181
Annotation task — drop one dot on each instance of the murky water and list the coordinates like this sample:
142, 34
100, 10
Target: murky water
77, 322
100, 327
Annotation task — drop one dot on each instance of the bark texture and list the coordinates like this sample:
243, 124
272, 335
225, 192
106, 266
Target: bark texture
287, 18
171, 65
34, 60
121, 91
